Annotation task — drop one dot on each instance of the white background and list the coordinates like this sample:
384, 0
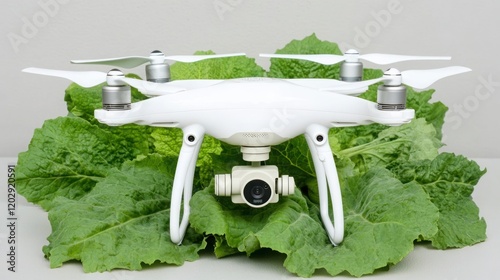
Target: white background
49, 35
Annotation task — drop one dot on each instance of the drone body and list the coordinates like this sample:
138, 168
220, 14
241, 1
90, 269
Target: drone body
246, 112
255, 113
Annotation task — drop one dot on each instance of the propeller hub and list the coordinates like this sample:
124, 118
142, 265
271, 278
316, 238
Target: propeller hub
157, 57
392, 77
156, 53
351, 51
351, 55
115, 78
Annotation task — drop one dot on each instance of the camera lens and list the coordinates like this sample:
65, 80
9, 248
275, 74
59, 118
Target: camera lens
257, 192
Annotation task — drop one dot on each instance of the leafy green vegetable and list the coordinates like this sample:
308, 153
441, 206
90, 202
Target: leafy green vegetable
168, 142
383, 218
449, 180
118, 224
67, 157
414, 141
221, 68
107, 189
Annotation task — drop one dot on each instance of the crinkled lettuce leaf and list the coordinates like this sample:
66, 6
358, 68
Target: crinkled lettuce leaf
383, 218
449, 180
414, 141
123, 222
221, 68
168, 142
67, 157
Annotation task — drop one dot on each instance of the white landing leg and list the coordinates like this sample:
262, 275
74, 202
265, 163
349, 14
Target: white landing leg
326, 173
183, 181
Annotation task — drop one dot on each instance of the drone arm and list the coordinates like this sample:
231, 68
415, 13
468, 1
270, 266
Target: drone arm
326, 173
183, 181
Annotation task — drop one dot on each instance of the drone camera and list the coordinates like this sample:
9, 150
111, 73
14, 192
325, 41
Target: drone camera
256, 186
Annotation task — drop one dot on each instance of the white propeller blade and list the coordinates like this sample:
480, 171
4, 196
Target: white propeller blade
83, 78
93, 78
419, 79
195, 58
134, 61
424, 78
377, 58
122, 62
383, 59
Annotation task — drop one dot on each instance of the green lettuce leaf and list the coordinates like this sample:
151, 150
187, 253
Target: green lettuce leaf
122, 223
449, 180
383, 219
414, 141
295, 68
221, 68
168, 142
67, 157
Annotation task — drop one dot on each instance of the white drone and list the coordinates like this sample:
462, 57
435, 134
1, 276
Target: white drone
248, 112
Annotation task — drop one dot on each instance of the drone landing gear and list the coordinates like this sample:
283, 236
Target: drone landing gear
326, 173
183, 181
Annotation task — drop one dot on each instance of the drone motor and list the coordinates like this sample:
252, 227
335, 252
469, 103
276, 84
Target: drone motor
391, 95
158, 71
351, 70
116, 95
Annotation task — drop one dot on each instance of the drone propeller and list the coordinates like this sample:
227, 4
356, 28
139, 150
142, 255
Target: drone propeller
354, 56
156, 57
83, 78
419, 79
113, 78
